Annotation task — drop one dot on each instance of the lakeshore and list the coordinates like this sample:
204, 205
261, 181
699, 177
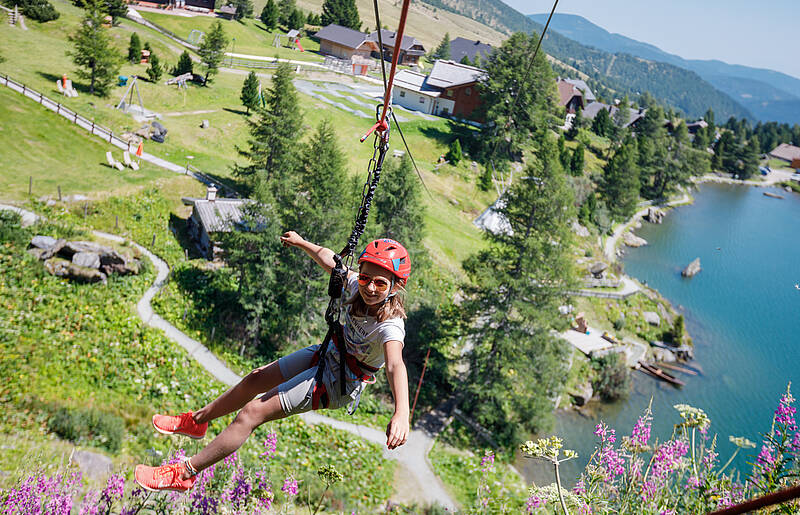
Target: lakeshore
740, 310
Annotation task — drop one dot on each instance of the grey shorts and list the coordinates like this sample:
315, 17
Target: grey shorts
297, 391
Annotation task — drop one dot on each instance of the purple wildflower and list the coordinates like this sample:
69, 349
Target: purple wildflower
580, 488
270, 445
487, 462
114, 490
784, 415
90, 506
641, 432
612, 461
693, 482
230, 460
533, 503
765, 459
667, 458
239, 490
289, 486
175, 457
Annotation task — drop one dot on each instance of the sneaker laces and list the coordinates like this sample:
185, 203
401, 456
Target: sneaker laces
164, 471
187, 420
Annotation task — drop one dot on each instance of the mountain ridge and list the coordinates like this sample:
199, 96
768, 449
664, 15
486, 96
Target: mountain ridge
769, 94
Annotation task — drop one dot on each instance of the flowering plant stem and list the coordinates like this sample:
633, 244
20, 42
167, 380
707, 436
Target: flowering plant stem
321, 497
730, 460
558, 487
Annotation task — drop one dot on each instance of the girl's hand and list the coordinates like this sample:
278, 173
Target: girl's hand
291, 239
397, 431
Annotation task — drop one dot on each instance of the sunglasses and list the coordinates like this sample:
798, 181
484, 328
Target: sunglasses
381, 284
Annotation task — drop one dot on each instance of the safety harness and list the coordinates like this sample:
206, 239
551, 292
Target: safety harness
344, 259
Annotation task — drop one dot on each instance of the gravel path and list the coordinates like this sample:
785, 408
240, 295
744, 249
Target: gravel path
413, 455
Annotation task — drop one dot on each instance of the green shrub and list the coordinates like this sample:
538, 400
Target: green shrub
619, 324
454, 155
11, 228
88, 425
613, 377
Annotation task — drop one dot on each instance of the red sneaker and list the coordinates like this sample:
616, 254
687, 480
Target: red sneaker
165, 477
182, 424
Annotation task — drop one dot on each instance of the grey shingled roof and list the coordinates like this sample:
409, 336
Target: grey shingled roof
786, 152
581, 85
342, 35
592, 109
459, 47
446, 74
219, 215
389, 36
415, 81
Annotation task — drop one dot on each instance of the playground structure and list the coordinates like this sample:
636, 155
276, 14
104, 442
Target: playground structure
196, 37
138, 112
292, 40
64, 86
180, 80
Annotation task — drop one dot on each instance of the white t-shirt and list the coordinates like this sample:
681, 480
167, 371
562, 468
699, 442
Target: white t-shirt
365, 336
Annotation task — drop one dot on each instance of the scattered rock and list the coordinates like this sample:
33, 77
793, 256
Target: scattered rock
597, 269
93, 464
72, 247
63, 268
637, 225
86, 259
43, 242
582, 393
652, 318
580, 230
665, 314
692, 269
205, 124
115, 263
50, 203
654, 215
663, 355
632, 240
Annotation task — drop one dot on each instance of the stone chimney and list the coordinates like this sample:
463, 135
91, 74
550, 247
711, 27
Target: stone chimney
211, 193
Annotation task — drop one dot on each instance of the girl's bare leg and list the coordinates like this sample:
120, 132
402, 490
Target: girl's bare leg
256, 412
260, 380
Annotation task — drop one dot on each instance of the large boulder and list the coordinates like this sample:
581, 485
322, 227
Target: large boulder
582, 394
654, 215
63, 268
115, 263
43, 242
86, 259
73, 247
692, 268
580, 230
632, 240
94, 465
652, 318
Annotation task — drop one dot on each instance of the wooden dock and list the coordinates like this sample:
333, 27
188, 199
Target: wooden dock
660, 374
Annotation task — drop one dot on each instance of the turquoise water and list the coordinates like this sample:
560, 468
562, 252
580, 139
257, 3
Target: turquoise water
742, 310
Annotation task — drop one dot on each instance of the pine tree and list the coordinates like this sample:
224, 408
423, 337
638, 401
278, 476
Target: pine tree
269, 15
273, 150
564, 154
244, 9
285, 10
749, 158
443, 50
516, 365
577, 162
341, 12
508, 84
620, 185
602, 124
249, 94
297, 20
116, 9
184, 64
135, 49
212, 49
155, 70
465, 60
454, 154
93, 53
400, 212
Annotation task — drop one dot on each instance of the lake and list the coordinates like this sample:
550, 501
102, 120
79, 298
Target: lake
742, 310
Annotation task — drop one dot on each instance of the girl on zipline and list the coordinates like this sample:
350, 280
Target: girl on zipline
373, 334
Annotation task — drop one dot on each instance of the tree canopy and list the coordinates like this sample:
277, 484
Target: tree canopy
94, 54
212, 49
341, 12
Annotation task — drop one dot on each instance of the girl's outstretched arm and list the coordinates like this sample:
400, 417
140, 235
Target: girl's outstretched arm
398, 428
323, 256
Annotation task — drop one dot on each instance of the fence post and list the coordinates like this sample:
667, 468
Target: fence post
58, 108
24, 89
75, 119
30, 184
116, 222
59, 193
110, 135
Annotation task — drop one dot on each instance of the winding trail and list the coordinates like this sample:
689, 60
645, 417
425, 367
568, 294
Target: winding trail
413, 455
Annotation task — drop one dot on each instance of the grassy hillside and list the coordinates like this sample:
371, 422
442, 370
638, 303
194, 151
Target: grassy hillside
426, 21
37, 143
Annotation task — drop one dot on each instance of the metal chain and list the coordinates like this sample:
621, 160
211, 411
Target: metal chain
345, 259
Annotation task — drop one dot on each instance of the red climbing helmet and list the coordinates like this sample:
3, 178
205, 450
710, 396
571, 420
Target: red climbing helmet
390, 255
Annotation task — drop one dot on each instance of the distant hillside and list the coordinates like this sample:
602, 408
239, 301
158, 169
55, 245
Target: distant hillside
768, 94
627, 75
